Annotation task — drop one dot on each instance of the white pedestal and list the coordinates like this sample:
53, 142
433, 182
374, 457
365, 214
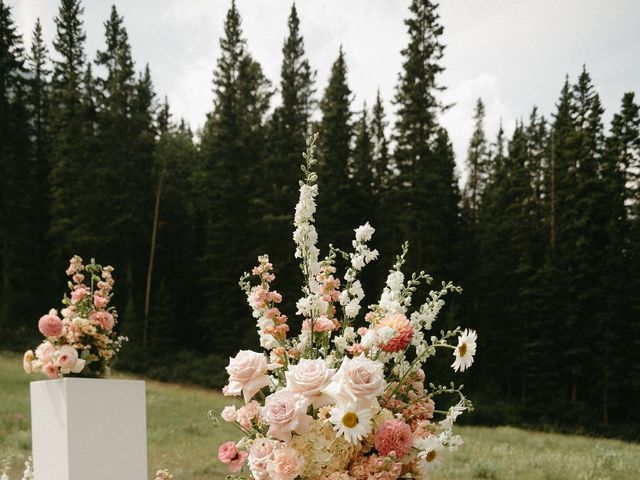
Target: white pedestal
89, 429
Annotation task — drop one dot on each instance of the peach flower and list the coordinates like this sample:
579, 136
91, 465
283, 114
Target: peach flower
259, 455
27, 361
78, 294
99, 300
105, 319
285, 465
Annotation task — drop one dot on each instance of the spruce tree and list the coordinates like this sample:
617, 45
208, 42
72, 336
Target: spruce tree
380, 162
39, 90
335, 211
71, 152
287, 132
361, 172
16, 203
426, 203
476, 164
232, 146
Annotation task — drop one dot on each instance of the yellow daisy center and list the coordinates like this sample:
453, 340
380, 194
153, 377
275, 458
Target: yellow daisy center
462, 350
431, 456
350, 420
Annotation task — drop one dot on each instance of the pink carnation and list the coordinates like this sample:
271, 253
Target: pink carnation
404, 332
394, 436
50, 325
228, 453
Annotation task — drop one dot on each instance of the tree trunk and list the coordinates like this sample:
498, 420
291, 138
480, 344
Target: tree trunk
152, 252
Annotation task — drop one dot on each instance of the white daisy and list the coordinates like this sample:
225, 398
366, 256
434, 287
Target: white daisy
351, 421
465, 350
431, 453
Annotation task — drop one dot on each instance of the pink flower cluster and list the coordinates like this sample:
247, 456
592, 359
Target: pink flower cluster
80, 339
272, 323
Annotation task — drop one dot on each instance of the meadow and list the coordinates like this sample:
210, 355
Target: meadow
181, 438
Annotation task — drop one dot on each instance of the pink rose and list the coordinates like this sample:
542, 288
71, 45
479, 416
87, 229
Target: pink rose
246, 414
259, 455
229, 413
99, 300
285, 464
105, 319
308, 378
78, 294
45, 352
247, 374
50, 370
285, 413
358, 380
394, 436
50, 325
228, 453
68, 360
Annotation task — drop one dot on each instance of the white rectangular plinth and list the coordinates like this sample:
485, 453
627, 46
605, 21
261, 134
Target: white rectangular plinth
89, 429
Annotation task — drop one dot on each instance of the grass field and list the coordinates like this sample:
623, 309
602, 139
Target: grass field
181, 439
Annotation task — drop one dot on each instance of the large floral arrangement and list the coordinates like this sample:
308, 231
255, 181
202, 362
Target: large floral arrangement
80, 340
339, 402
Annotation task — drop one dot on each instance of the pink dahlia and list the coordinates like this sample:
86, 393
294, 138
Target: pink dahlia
403, 332
50, 325
394, 436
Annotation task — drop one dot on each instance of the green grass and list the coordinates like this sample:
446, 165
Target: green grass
181, 439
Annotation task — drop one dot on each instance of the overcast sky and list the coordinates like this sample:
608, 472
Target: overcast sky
512, 53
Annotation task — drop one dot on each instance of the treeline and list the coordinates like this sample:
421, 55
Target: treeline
544, 237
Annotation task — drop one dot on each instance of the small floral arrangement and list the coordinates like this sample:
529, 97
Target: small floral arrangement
83, 342
338, 402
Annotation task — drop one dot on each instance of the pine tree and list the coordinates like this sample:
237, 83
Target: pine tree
335, 212
232, 144
427, 198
